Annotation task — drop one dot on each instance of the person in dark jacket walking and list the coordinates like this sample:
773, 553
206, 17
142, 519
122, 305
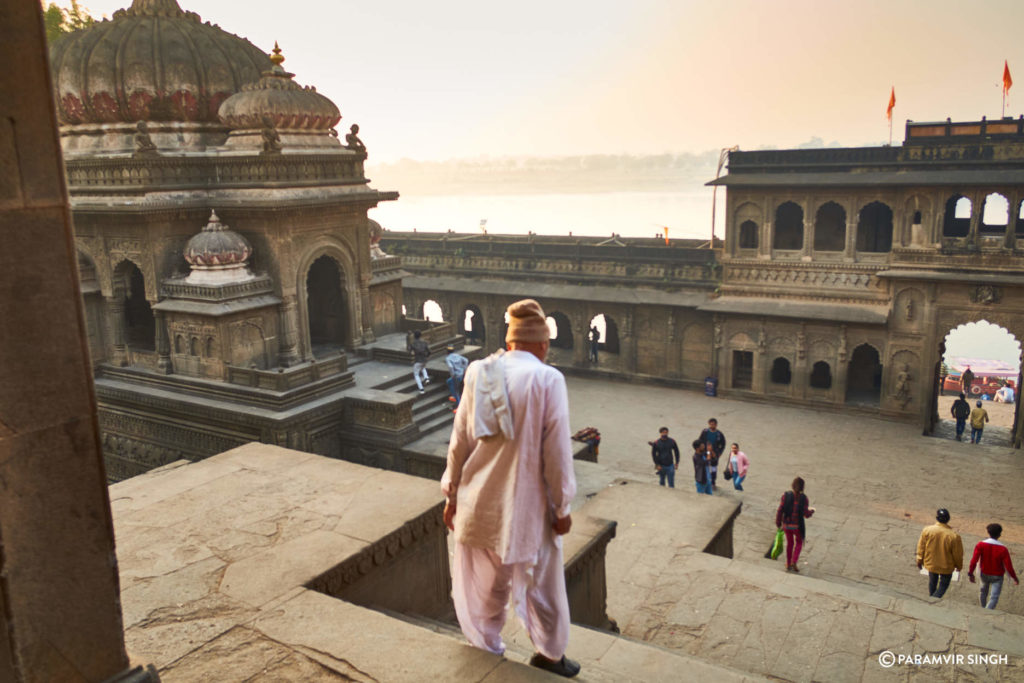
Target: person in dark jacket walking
662, 452
966, 379
793, 509
960, 411
715, 440
701, 467
420, 355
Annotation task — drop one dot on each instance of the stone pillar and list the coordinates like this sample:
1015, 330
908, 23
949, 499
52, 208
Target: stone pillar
1011, 224
850, 249
627, 343
289, 326
163, 343
115, 318
672, 351
766, 243
759, 380
808, 225
367, 304
716, 348
842, 370
495, 321
581, 339
977, 208
801, 371
59, 592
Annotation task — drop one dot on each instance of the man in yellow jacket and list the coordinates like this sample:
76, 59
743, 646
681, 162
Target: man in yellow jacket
940, 551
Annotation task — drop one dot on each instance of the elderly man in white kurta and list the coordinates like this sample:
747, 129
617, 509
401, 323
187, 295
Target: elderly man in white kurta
508, 484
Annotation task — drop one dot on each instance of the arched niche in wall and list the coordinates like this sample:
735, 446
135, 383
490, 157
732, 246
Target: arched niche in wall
830, 227
789, 227
874, 228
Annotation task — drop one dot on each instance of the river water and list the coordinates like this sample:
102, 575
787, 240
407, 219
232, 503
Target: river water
687, 214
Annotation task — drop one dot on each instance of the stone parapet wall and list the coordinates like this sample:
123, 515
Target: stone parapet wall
682, 263
107, 175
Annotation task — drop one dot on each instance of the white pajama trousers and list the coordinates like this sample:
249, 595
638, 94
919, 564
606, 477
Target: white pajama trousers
482, 587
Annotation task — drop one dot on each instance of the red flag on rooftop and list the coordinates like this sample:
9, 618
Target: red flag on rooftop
1007, 81
892, 103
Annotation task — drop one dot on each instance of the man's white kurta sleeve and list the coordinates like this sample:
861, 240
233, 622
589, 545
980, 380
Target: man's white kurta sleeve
556, 447
460, 445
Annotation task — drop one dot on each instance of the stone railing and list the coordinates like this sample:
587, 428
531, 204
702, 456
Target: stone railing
585, 548
169, 173
740, 162
577, 260
180, 289
377, 410
286, 379
383, 265
406, 571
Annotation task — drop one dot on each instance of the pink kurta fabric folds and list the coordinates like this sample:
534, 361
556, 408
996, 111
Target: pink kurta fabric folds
508, 489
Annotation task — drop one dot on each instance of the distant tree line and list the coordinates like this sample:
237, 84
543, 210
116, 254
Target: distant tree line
60, 21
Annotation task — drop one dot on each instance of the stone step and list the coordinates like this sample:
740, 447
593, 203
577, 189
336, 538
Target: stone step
442, 420
752, 614
603, 657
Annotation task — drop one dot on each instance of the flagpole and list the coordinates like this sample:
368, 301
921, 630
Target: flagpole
890, 130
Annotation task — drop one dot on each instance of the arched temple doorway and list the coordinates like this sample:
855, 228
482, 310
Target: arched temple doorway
138, 321
864, 376
560, 330
993, 355
473, 325
327, 306
432, 311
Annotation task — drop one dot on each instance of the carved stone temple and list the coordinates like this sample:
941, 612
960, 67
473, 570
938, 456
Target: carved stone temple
223, 245
841, 273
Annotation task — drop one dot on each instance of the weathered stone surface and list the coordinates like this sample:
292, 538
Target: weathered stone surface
177, 629
189, 583
999, 635
359, 636
261, 577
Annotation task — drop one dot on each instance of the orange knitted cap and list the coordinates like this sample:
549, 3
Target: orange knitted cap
526, 322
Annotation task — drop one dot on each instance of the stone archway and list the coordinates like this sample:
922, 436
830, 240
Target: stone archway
864, 376
471, 324
1007, 429
136, 318
327, 306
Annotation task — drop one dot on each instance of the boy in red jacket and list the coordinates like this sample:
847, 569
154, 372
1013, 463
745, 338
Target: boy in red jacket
995, 560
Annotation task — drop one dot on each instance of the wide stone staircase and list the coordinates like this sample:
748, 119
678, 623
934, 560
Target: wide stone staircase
751, 615
604, 657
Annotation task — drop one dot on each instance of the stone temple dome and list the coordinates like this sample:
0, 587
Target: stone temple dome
218, 254
278, 100
152, 62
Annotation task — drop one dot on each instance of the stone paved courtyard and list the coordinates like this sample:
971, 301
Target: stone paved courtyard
874, 483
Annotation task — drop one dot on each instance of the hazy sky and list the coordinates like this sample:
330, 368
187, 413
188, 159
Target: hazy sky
457, 78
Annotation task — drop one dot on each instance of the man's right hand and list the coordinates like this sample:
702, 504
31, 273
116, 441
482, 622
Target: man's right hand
562, 525
449, 515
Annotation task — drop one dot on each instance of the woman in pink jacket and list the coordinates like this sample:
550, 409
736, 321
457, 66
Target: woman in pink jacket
739, 465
